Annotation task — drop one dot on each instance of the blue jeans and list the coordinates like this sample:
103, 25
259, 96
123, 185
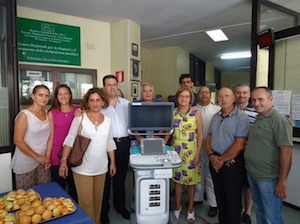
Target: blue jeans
267, 205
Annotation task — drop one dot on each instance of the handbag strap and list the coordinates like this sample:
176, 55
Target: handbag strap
80, 126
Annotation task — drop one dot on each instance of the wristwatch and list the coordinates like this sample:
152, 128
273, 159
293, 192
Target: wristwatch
210, 154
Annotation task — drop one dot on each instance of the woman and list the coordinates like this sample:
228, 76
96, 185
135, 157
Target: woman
61, 115
186, 141
89, 177
31, 160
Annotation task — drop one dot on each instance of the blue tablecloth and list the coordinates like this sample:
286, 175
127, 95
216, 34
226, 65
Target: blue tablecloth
54, 190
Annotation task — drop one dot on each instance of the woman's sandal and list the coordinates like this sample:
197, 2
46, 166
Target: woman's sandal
191, 217
177, 213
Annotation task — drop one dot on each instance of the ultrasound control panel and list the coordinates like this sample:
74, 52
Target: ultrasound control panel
169, 159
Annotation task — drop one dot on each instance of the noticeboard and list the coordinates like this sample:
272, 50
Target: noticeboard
45, 42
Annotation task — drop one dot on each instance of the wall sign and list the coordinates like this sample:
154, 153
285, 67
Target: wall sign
45, 42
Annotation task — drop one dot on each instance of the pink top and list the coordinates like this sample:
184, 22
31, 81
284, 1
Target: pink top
62, 122
36, 136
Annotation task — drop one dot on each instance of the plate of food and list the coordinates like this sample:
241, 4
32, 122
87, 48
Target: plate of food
13, 200
45, 210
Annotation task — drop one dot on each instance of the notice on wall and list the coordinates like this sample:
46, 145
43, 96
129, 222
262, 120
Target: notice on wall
296, 107
282, 101
45, 42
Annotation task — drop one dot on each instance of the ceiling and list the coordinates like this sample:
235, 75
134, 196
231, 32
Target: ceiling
179, 23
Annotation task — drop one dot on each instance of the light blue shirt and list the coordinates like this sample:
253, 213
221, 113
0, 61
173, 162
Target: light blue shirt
224, 130
119, 117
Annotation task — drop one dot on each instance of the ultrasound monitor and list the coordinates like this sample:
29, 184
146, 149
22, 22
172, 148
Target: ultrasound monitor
152, 146
151, 117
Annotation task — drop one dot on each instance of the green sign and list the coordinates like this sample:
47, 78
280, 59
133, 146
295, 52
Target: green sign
45, 42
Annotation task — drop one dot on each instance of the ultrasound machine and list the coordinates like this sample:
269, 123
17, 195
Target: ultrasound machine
152, 161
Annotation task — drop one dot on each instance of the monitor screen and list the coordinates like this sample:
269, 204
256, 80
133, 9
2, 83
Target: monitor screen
149, 117
152, 146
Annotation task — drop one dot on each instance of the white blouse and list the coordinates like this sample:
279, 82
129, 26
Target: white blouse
95, 159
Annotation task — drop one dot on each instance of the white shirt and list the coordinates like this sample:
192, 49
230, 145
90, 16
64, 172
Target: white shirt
95, 158
119, 117
207, 112
36, 137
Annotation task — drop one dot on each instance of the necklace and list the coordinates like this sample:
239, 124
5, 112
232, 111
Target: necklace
183, 115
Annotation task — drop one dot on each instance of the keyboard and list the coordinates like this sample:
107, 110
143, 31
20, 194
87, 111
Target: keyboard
169, 160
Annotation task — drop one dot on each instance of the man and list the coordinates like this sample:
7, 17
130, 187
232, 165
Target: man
207, 110
185, 80
147, 94
117, 111
225, 143
268, 157
242, 96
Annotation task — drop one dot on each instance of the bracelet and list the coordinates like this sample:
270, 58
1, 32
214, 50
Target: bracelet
63, 158
210, 154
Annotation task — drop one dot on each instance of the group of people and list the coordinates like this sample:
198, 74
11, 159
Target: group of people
225, 149
245, 148
40, 134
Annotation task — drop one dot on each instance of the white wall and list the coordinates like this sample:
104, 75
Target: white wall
287, 66
230, 79
262, 67
162, 68
5, 172
293, 182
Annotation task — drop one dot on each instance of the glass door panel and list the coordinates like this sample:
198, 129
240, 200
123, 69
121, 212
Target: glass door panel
4, 105
28, 80
78, 82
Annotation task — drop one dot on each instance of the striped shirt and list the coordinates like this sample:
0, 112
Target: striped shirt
250, 111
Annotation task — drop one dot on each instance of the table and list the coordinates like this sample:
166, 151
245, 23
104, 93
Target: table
54, 190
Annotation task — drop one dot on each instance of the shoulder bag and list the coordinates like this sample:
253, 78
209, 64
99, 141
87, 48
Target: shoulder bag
79, 148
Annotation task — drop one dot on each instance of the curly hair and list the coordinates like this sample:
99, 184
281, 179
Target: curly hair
100, 91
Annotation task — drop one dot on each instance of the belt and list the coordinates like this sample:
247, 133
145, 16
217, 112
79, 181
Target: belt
121, 139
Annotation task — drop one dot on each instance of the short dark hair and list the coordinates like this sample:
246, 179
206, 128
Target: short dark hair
108, 77
183, 76
267, 89
201, 87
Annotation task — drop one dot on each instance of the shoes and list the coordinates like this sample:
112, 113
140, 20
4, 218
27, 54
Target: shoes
124, 213
195, 203
191, 217
212, 212
177, 213
246, 219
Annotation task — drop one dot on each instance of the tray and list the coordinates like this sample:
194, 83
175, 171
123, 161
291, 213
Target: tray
62, 206
13, 201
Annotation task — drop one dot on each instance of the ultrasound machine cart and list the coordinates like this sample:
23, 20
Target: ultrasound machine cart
152, 162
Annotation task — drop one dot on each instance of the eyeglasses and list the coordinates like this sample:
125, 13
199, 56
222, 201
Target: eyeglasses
183, 96
204, 92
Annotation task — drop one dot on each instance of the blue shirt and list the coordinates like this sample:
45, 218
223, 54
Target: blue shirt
224, 130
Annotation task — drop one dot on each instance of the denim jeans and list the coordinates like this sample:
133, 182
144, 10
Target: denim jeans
267, 205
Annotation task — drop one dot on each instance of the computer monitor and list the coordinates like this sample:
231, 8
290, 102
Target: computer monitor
151, 117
